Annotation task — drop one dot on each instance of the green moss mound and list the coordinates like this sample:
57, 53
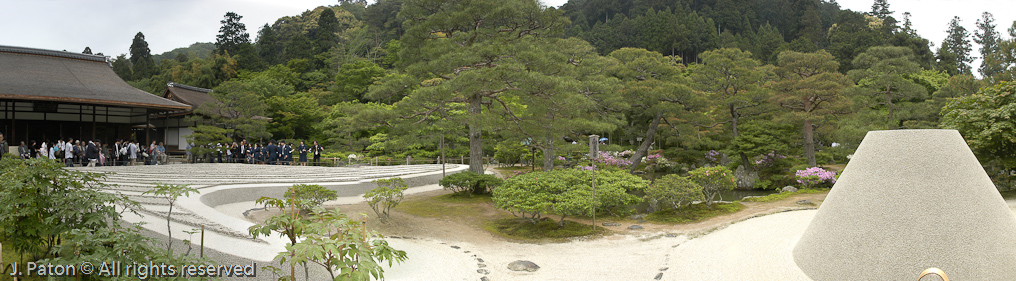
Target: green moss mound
694, 213
545, 229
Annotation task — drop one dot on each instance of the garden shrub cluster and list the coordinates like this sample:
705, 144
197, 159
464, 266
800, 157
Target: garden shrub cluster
567, 192
713, 180
675, 190
469, 183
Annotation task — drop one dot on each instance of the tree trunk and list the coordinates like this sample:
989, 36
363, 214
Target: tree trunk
733, 120
748, 168
809, 143
475, 137
889, 102
548, 155
169, 231
644, 147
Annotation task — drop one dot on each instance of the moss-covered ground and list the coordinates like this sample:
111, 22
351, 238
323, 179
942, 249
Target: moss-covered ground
694, 212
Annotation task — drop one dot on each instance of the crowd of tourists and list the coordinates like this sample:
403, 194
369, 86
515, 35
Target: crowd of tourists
73, 152
274, 153
90, 153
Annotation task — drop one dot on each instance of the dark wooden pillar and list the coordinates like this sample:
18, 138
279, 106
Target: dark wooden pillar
147, 123
93, 123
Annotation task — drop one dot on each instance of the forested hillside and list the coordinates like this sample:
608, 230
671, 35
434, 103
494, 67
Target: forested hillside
747, 78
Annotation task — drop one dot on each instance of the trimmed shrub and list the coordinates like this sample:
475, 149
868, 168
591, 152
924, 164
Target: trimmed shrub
385, 196
674, 189
713, 180
310, 196
566, 193
469, 183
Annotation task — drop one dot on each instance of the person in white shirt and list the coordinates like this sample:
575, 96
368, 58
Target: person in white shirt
43, 151
132, 150
69, 152
52, 152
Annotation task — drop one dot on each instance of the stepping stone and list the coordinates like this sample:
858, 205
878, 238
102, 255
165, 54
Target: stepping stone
521, 265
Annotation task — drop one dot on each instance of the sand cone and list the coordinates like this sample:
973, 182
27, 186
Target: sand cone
907, 201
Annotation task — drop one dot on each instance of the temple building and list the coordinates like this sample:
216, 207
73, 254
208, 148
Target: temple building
173, 126
47, 95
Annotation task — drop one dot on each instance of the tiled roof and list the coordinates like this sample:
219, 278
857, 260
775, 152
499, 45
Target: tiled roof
46, 75
193, 96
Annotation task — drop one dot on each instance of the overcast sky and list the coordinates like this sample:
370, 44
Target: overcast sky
108, 26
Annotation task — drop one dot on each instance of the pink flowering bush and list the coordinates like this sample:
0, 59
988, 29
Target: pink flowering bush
814, 177
713, 157
767, 160
612, 160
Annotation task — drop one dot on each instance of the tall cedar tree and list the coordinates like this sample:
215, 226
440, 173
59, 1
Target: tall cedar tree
880, 10
268, 45
141, 58
809, 88
298, 47
954, 54
989, 39
325, 37
232, 34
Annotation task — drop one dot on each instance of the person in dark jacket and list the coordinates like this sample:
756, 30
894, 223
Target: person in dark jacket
4, 149
303, 153
317, 149
23, 151
92, 154
273, 153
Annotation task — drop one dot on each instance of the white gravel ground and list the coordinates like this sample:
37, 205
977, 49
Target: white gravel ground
755, 249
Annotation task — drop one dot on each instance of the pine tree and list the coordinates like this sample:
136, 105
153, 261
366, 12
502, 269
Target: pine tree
908, 26
298, 47
325, 37
880, 9
141, 58
811, 25
954, 55
989, 39
232, 34
268, 45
